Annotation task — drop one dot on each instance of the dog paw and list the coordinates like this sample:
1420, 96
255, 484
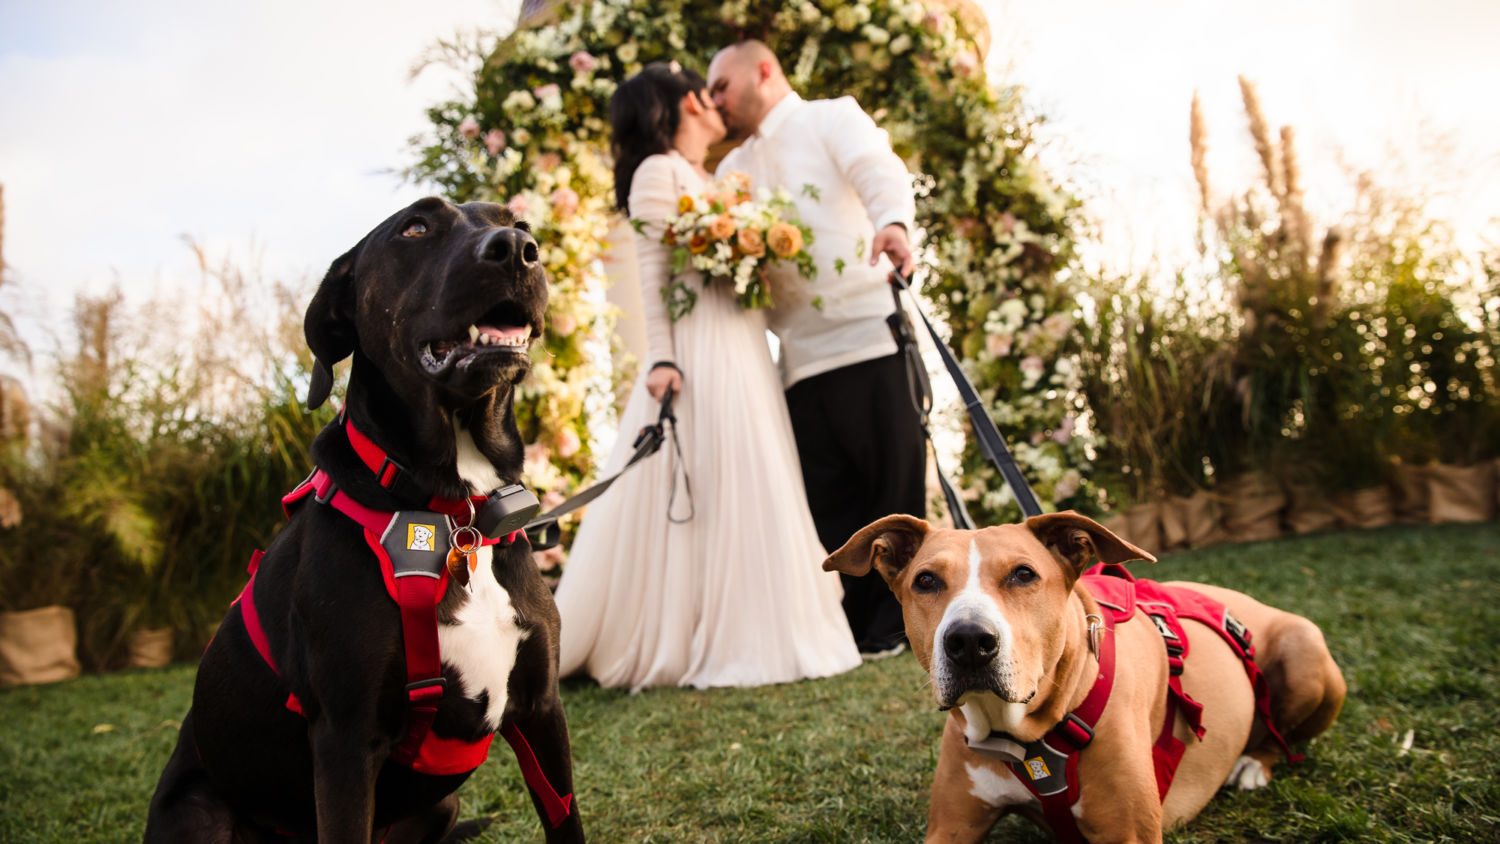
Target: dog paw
1247, 774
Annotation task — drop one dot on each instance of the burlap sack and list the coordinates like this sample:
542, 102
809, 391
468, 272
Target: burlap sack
1460, 493
1252, 507
1366, 508
1202, 519
1143, 526
1308, 510
1410, 485
151, 648
1174, 531
38, 646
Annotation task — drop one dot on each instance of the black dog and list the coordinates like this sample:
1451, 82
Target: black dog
320, 711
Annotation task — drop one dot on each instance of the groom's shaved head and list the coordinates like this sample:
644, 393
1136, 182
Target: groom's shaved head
746, 80
749, 53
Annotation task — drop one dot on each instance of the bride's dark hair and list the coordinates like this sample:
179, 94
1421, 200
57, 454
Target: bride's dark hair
643, 118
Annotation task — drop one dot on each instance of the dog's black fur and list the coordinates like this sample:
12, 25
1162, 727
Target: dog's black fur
246, 768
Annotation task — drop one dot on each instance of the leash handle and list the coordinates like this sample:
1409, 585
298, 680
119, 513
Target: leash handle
542, 530
991, 444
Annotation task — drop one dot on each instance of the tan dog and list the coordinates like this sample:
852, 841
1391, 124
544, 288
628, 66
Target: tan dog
1003, 625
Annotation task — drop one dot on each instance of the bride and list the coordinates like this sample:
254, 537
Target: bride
719, 584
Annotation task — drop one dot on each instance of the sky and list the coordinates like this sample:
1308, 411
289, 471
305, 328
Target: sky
272, 133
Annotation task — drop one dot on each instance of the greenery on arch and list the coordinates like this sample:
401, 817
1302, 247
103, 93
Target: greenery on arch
997, 233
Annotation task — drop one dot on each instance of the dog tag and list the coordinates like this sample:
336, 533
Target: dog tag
460, 564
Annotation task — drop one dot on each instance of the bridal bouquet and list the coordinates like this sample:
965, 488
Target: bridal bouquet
732, 237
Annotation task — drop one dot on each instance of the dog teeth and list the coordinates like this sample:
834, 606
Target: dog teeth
473, 333
490, 336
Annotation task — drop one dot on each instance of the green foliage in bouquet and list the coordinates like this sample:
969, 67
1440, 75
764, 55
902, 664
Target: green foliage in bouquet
997, 232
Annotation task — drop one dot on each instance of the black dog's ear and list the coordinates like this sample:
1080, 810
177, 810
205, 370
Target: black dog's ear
886, 545
329, 326
1080, 540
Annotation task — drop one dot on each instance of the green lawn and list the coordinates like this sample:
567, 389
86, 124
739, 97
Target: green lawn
1412, 614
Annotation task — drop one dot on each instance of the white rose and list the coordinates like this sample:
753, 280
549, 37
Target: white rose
900, 44
627, 52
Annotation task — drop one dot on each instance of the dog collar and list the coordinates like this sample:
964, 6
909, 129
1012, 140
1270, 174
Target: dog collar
498, 514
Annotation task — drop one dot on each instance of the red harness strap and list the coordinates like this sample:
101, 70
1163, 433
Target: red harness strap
1120, 595
1061, 745
417, 592
417, 596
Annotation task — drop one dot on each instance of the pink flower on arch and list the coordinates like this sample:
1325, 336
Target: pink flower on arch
564, 202
542, 92
998, 345
568, 443
1063, 433
582, 62
494, 141
564, 324
518, 204
469, 127
1032, 367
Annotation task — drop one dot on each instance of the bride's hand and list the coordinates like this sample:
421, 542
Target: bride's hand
663, 378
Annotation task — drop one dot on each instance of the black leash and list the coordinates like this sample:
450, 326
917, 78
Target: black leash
542, 531
991, 444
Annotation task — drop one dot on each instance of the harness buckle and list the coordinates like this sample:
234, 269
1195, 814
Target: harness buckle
326, 494
389, 472
1074, 731
419, 689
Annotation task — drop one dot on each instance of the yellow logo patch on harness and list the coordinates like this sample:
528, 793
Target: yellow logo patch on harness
1037, 768
419, 537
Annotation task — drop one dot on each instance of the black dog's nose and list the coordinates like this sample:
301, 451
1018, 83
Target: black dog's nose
504, 246
970, 646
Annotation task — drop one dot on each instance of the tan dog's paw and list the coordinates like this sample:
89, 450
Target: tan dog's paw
1248, 773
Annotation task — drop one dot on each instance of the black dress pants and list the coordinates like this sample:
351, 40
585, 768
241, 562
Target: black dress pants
863, 457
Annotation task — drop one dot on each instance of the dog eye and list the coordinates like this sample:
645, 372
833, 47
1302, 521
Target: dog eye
926, 582
1022, 575
416, 228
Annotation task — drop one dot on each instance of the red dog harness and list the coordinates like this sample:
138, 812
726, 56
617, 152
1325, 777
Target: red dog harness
1049, 766
412, 549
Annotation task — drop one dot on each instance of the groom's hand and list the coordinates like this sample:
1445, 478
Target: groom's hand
893, 243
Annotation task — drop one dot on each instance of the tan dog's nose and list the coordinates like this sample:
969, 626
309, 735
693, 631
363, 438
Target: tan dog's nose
504, 246
969, 645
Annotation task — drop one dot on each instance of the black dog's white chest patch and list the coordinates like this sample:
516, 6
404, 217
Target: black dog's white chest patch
482, 641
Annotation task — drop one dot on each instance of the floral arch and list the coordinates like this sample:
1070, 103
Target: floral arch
997, 235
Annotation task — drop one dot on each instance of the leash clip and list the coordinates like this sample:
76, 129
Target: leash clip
1095, 625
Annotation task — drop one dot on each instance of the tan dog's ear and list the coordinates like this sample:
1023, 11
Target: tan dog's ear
1081, 541
887, 545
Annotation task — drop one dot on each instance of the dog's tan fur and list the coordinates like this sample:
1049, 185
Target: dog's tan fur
1044, 669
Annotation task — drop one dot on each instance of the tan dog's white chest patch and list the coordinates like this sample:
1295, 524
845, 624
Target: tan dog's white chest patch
996, 788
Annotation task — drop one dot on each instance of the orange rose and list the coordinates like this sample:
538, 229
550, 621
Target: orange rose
784, 239
721, 227
684, 204
698, 244
751, 243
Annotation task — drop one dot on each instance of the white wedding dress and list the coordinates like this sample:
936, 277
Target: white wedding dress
735, 595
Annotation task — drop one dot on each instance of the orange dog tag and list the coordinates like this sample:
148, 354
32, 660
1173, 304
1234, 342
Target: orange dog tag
460, 564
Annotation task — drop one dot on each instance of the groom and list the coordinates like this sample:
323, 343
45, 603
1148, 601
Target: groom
859, 437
